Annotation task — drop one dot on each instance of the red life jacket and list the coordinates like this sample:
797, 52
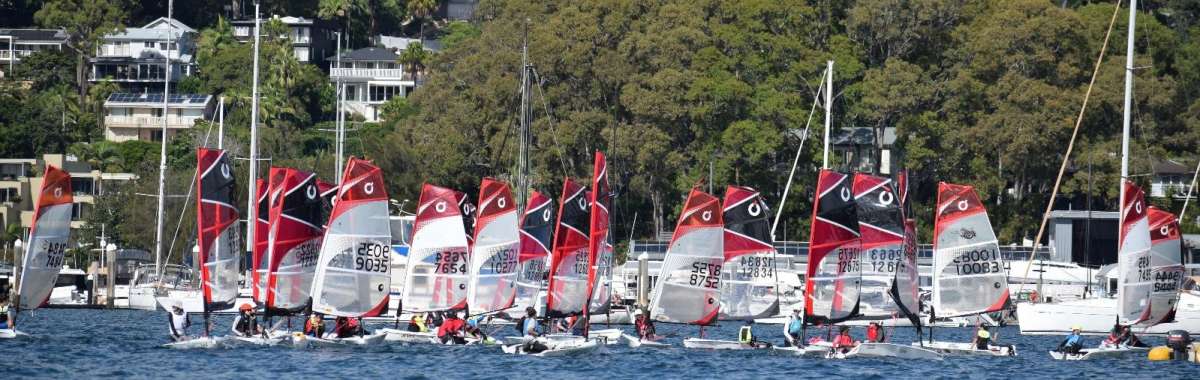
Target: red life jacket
450, 326
843, 340
873, 333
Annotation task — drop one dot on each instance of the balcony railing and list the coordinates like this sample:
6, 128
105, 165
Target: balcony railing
148, 121
6, 55
369, 73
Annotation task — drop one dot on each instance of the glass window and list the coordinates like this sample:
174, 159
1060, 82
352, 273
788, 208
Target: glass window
156, 135
148, 44
383, 93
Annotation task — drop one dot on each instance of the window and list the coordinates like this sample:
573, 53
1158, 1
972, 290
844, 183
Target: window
148, 44
351, 92
301, 54
156, 135
81, 186
157, 112
383, 93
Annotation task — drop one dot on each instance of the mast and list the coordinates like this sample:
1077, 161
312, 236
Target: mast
221, 126
1128, 103
162, 156
341, 94
828, 111
526, 115
251, 199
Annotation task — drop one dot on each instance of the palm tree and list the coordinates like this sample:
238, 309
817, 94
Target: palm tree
413, 58
422, 9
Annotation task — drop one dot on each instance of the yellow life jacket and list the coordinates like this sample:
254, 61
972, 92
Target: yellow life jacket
746, 335
420, 322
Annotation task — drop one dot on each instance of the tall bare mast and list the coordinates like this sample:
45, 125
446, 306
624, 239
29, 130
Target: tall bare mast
526, 116
828, 111
162, 156
252, 185
1126, 115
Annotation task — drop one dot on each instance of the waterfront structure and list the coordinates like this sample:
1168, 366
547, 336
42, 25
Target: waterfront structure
16, 44
129, 116
133, 59
371, 77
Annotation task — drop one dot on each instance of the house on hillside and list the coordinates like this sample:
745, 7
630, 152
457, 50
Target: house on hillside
371, 77
19, 43
311, 41
20, 179
1171, 179
134, 59
854, 149
129, 116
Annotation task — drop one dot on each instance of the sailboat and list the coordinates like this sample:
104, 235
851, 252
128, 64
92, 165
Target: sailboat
258, 262
353, 268
536, 232
749, 283
600, 249
494, 253
438, 259
968, 271
888, 259
688, 289
43, 257
294, 240
833, 275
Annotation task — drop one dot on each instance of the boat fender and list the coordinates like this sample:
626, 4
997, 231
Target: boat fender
1159, 353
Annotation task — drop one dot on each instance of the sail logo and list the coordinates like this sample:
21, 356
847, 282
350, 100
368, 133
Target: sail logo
440, 207
546, 215
502, 202
754, 209
962, 205
967, 233
707, 216
886, 198
57, 192
369, 188
1164, 230
225, 171
845, 194
582, 204
311, 192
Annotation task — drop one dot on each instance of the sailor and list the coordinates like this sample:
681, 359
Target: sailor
875, 333
1116, 337
179, 322
1073, 343
528, 324
746, 335
644, 325
314, 326
794, 328
346, 327
982, 339
417, 323
473, 330
843, 342
4, 309
246, 324
451, 330
1130, 340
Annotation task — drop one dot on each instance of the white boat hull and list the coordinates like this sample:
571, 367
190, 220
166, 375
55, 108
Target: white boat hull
713, 344
206, 342
1098, 353
891, 350
1096, 316
8, 333
635, 342
402, 336
965, 348
302, 340
558, 348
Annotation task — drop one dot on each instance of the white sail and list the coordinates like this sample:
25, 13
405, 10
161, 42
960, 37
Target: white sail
968, 272
47, 239
494, 254
353, 270
437, 261
688, 289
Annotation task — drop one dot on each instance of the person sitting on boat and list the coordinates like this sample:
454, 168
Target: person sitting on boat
4, 311
1130, 339
875, 333
746, 335
1115, 338
417, 323
793, 329
644, 326
843, 342
246, 324
347, 327
179, 323
452, 329
983, 338
528, 325
315, 326
1073, 343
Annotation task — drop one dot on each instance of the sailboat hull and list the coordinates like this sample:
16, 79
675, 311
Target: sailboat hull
892, 350
1098, 353
1096, 317
966, 348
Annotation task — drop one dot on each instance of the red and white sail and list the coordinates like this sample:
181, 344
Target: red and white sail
834, 270
438, 258
262, 267
262, 227
881, 230
688, 289
569, 265
1166, 265
1136, 278
600, 247
494, 254
353, 273
216, 220
537, 228
295, 241
48, 235
968, 271
748, 278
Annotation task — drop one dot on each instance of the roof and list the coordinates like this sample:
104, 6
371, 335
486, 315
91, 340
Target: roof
287, 20
369, 54
155, 30
1170, 167
57, 35
862, 136
401, 43
177, 100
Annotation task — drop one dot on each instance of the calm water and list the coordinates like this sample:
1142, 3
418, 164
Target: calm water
126, 344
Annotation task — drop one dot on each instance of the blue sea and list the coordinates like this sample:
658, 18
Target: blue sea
68, 344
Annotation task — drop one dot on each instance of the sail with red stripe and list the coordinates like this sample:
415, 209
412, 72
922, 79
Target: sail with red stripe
537, 228
296, 231
438, 258
748, 278
834, 270
1166, 265
881, 230
262, 226
494, 254
569, 266
262, 267
48, 235
600, 247
1136, 279
688, 289
353, 269
968, 271
216, 220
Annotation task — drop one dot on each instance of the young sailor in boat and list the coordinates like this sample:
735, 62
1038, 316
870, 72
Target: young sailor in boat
179, 322
1073, 343
645, 326
473, 330
1130, 339
794, 329
4, 310
983, 337
451, 330
417, 324
314, 326
875, 333
246, 324
528, 325
843, 342
347, 327
746, 335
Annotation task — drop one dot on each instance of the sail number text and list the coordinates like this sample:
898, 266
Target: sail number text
750, 266
885, 260
705, 275
450, 262
371, 257
503, 261
848, 260
54, 253
978, 261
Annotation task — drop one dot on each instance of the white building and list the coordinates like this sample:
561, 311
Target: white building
21, 179
19, 43
1171, 179
372, 76
310, 42
140, 116
134, 58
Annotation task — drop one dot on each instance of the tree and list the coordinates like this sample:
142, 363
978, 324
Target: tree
413, 58
85, 21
